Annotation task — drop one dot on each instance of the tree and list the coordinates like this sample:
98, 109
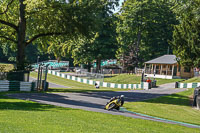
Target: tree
144, 29
100, 47
23, 22
7, 54
186, 36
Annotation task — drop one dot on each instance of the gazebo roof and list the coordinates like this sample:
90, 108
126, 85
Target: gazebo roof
165, 59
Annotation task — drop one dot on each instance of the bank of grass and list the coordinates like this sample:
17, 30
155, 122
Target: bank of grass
192, 80
176, 107
74, 86
134, 79
21, 116
165, 81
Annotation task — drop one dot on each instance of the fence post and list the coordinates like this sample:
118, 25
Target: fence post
176, 84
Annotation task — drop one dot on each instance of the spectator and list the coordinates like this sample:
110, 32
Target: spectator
96, 85
148, 80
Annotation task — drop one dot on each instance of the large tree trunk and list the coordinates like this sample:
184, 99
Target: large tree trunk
89, 66
138, 47
98, 67
21, 42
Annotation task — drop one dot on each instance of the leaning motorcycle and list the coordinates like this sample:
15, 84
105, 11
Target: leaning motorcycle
115, 104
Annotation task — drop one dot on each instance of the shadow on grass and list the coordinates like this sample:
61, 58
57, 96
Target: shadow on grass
8, 103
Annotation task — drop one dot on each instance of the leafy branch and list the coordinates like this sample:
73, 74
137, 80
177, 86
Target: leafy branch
7, 7
43, 35
9, 24
8, 38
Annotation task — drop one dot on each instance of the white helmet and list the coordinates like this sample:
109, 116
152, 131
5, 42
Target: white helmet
122, 96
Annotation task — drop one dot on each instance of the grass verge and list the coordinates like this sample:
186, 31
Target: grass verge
134, 79
192, 80
21, 116
174, 107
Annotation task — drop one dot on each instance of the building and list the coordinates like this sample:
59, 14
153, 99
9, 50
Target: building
167, 67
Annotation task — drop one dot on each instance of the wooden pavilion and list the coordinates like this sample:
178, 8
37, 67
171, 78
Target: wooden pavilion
167, 67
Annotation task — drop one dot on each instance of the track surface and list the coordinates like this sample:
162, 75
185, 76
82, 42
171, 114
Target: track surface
95, 101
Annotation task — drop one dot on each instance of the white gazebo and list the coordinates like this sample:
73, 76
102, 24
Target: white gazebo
167, 67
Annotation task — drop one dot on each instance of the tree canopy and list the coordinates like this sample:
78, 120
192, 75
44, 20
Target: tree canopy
186, 36
102, 45
23, 22
144, 29
87, 30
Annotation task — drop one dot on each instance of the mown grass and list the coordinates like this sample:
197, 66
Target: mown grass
165, 81
135, 79
22, 116
192, 80
74, 85
174, 107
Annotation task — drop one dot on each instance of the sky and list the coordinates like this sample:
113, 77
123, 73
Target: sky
120, 4
121, 1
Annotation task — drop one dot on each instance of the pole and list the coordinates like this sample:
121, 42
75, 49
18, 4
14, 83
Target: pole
142, 79
45, 78
38, 59
38, 77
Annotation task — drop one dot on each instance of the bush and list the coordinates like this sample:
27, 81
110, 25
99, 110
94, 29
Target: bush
6, 67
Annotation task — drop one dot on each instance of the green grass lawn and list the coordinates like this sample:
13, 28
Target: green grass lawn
134, 79
74, 85
22, 116
174, 107
165, 81
192, 80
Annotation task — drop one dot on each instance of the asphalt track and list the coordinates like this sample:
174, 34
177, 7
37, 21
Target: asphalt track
95, 101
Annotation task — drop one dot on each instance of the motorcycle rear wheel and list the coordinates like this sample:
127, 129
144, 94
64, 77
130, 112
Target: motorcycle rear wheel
111, 106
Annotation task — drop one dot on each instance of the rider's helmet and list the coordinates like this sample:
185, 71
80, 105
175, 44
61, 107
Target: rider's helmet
122, 96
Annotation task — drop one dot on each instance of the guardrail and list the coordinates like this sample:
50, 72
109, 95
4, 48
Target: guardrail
142, 85
16, 86
186, 85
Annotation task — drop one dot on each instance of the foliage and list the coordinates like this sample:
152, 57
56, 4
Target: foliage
7, 53
186, 36
6, 67
144, 30
23, 22
102, 45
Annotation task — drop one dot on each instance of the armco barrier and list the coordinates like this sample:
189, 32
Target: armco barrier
143, 85
16, 86
186, 85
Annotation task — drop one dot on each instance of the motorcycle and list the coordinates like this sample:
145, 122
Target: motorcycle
115, 104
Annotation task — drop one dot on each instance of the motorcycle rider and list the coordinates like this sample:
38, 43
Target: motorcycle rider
117, 97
